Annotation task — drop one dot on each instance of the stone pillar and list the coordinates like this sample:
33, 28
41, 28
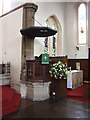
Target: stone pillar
29, 10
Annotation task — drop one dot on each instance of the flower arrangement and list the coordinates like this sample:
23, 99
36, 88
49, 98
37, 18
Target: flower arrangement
58, 70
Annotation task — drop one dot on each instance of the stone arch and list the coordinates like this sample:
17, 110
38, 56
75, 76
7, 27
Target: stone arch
53, 22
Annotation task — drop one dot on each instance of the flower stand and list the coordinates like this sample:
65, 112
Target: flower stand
58, 88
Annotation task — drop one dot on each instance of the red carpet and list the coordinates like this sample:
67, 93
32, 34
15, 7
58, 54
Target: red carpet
77, 94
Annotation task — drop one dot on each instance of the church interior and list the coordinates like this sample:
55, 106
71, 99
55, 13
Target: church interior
44, 59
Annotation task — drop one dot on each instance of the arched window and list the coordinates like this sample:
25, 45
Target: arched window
82, 24
54, 43
51, 42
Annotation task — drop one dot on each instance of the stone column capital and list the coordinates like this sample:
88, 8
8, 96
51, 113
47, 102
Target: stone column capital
31, 6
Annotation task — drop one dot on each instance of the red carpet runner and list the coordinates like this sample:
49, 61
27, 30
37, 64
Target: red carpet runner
77, 94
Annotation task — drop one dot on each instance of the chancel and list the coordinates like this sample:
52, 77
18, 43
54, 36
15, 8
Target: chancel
44, 59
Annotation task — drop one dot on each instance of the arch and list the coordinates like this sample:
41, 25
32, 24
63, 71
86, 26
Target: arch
82, 23
53, 22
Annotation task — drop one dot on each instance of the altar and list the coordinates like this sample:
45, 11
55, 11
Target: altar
74, 79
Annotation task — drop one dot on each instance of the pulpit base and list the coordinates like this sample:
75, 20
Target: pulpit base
38, 91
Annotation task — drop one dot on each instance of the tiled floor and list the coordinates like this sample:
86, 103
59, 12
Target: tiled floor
52, 108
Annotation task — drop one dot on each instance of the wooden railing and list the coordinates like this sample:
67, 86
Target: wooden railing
13, 10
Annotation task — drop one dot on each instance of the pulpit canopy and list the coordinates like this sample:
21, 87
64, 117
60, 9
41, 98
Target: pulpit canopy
38, 31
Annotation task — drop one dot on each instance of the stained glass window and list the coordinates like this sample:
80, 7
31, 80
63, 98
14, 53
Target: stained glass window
82, 24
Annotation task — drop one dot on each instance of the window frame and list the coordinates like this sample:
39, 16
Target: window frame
78, 43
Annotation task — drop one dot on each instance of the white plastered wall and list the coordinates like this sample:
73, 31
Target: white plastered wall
89, 24
11, 43
71, 34
67, 16
0, 40
45, 10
